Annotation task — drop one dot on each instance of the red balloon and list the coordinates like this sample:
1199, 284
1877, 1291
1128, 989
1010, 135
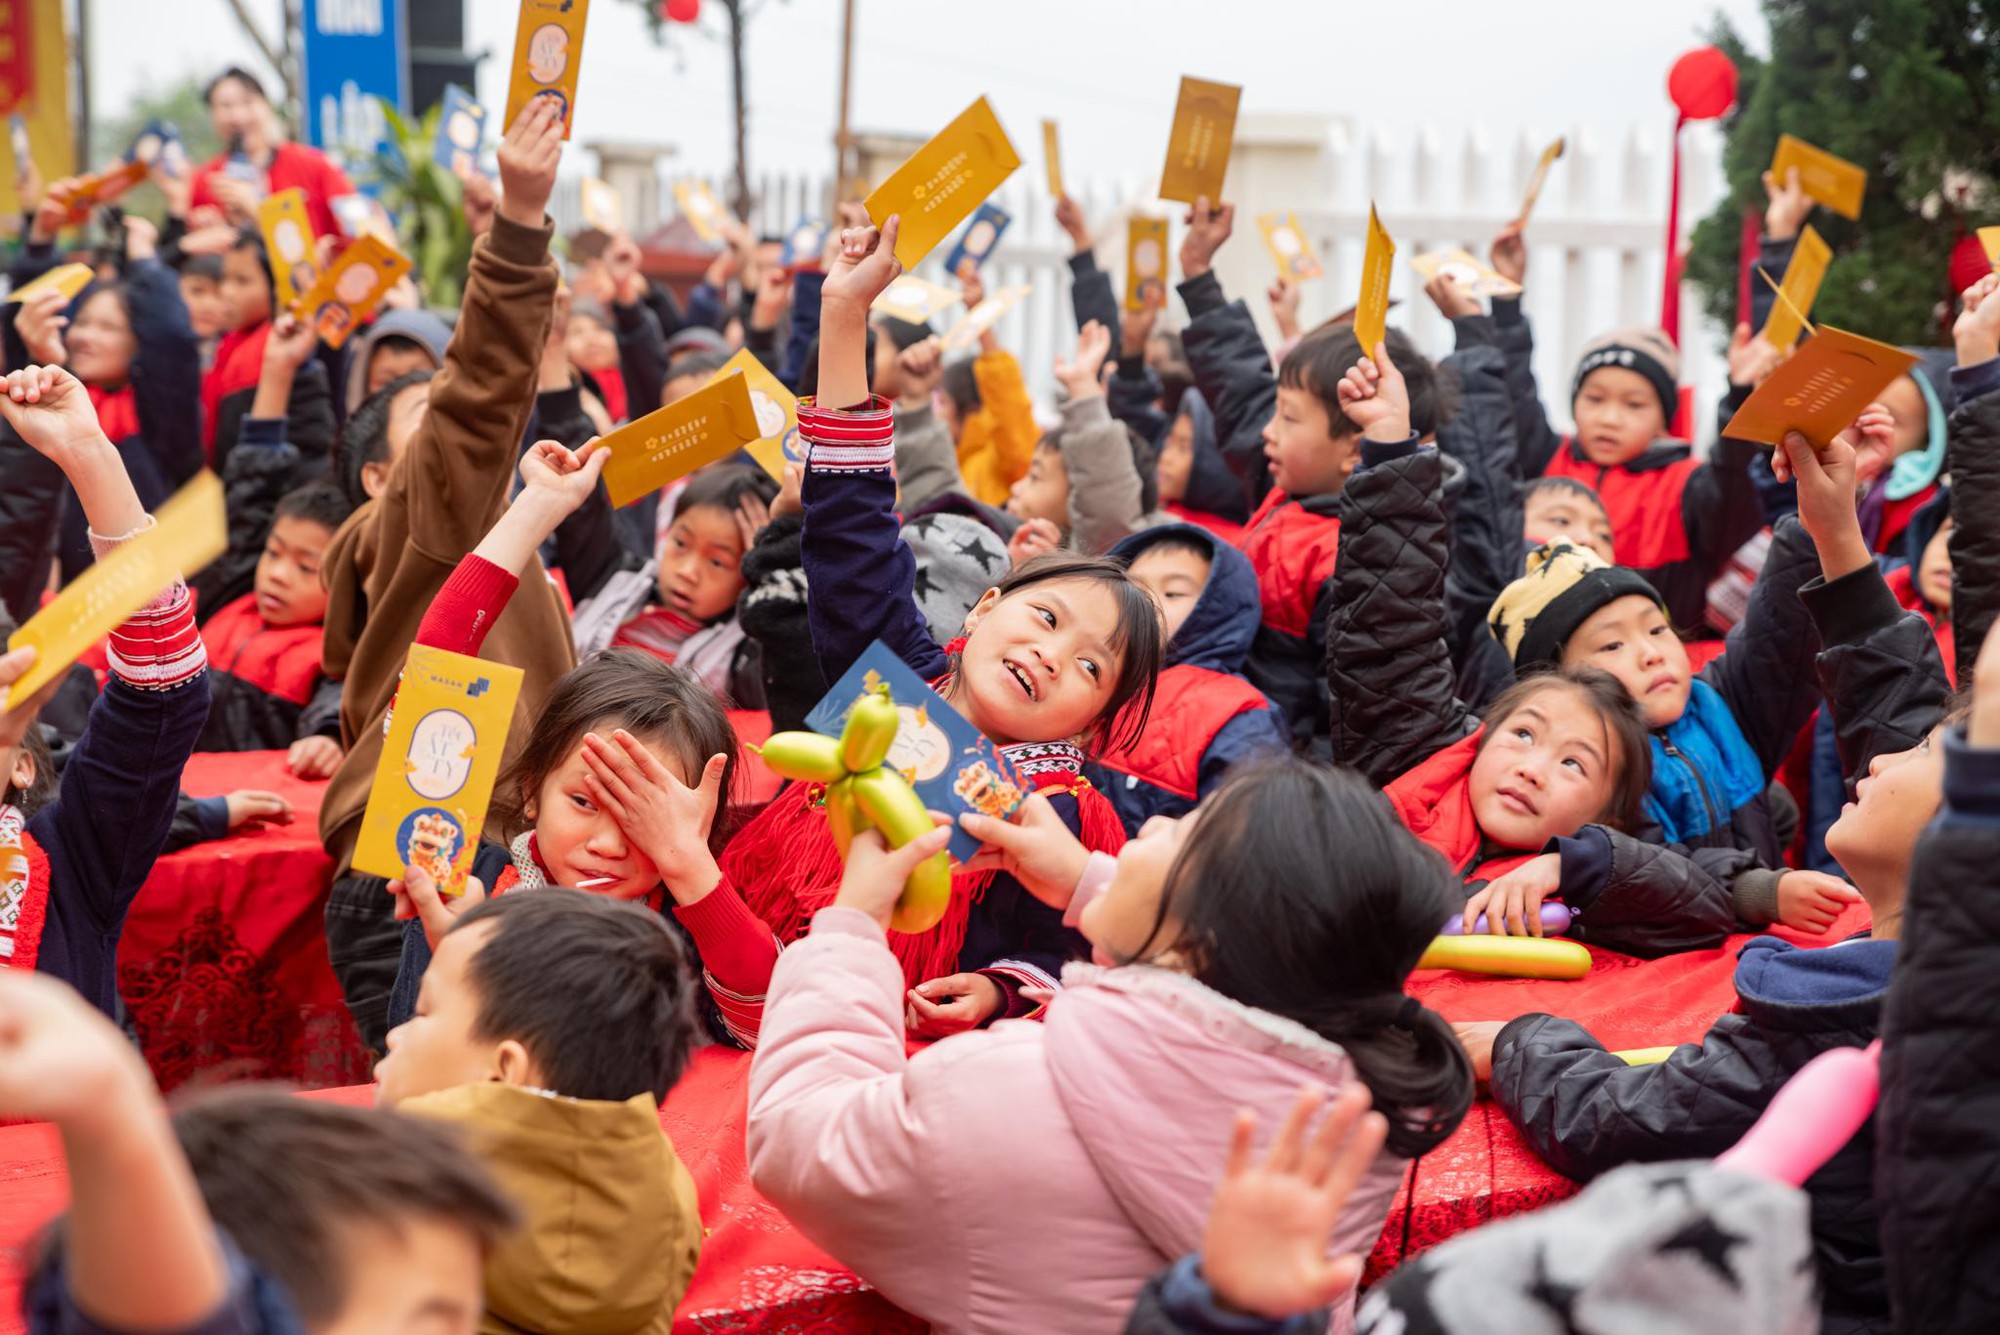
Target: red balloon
1702, 84
687, 11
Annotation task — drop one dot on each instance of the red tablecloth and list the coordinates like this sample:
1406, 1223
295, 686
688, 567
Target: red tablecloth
223, 961
758, 1274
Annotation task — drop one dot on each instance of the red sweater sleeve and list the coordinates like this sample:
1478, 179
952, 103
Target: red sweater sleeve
467, 606
738, 952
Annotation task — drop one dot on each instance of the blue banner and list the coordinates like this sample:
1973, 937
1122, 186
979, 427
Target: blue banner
355, 52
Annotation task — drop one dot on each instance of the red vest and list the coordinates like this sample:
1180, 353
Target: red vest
278, 660
1434, 801
1228, 530
1647, 529
1190, 706
1294, 551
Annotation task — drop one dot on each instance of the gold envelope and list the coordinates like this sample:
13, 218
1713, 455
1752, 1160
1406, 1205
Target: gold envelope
983, 317
68, 279
1476, 278
1371, 309
341, 299
439, 759
1820, 390
189, 531
671, 442
289, 244
1290, 250
1989, 237
548, 51
1198, 146
1796, 294
915, 299
941, 183
1052, 158
776, 408
1145, 264
1834, 182
1541, 176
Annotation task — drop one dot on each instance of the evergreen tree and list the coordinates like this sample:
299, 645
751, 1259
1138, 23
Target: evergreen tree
1907, 89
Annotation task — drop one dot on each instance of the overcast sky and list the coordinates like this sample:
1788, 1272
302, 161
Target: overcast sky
1107, 69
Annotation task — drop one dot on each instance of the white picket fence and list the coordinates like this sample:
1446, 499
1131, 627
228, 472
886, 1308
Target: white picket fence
1596, 238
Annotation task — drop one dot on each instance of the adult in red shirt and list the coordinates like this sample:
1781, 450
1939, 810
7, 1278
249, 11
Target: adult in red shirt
243, 117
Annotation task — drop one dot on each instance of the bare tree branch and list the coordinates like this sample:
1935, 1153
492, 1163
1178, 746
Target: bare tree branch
273, 56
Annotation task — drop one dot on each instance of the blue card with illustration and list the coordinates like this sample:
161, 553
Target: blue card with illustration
461, 132
979, 237
953, 766
159, 144
804, 242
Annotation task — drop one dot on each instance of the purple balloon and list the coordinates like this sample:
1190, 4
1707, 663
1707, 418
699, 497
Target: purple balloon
1556, 918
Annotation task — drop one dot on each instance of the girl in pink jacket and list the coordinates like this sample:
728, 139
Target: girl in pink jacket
1034, 1175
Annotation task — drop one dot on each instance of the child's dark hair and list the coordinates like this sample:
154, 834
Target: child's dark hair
207, 267
1323, 357
317, 502
1624, 726
249, 238
1567, 486
809, 368
1174, 540
399, 343
961, 385
656, 702
598, 990
42, 787
341, 1168
365, 438
1138, 637
723, 487
1300, 894
233, 74
700, 362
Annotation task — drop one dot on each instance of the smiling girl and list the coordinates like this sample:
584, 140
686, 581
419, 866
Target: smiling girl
1048, 662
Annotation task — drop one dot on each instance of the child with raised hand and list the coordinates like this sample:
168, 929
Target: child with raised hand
1091, 483
229, 386
1060, 655
1260, 944
427, 461
984, 403
1543, 796
1676, 519
549, 1029
619, 788
70, 867
129, 342
1287, 437
1585, 1110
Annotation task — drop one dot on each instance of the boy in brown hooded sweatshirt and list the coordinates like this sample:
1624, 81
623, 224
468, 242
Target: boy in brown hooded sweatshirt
433, 456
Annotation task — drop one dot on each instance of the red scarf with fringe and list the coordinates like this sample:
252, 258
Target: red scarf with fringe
788, 868
24, 891
117, 411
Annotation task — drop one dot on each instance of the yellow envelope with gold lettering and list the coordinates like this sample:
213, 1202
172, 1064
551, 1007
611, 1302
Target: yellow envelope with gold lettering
1810, 257
1371, 309
1834, 182
341, 299
1820, 389
599, 202
288, 244
777, 413
548, 50
1287, 242
983, 317
915, 299
190, 530
1540, 178
1052, 158
1198, 146
439, 760
1145, 264
68, 279
672, 442
701, 208
940, 184
1989, 237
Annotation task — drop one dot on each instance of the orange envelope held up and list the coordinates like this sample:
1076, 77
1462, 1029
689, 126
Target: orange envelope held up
671, 442
1052, 158
1834, 182
548, 50
341, 299
940, 184
1198, 146
1796, 294
777, 412
1289, 248
288, 243
1145, 264
68, 279
1371, 309
1820, 390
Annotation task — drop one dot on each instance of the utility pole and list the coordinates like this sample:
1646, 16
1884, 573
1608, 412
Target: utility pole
82, 50
845, 169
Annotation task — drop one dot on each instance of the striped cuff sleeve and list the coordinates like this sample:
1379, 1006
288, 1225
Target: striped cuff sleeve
158, 647
861, 440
